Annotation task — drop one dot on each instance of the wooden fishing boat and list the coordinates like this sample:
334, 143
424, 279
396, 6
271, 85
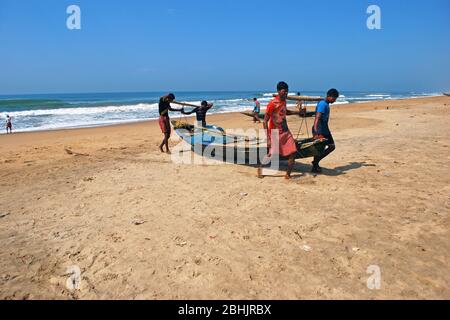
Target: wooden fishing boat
308, 114
302, 98
213, 142
250, 114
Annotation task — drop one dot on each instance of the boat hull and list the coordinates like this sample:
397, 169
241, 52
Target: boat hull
212, 142
308, 114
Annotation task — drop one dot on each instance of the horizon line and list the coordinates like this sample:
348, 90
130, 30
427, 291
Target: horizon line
219, 91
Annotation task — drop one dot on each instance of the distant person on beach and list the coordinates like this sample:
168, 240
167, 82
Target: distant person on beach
321, 130
200, 112
8, 124
301, 108
275, 122
256, 111
164, 120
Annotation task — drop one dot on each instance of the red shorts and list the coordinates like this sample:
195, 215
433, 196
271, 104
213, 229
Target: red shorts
164, 124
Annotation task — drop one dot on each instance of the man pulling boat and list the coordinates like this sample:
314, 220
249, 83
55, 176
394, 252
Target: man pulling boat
200, 113
276, 125
321, 130
164, 119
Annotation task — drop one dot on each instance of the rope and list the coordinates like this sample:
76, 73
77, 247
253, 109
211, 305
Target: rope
305, 121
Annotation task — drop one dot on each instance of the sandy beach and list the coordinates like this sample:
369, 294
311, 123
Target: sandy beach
139, 226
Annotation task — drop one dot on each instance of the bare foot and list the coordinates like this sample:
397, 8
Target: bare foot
160, 148
168, 152
287, 177
260, 175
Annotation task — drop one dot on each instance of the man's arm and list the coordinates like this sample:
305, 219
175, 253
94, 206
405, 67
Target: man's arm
269, 112
190, 112
177, 110
316, 121
266, 121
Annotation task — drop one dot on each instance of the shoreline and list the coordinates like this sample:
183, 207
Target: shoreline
151, 120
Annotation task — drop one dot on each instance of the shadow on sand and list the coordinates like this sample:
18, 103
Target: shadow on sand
302, 168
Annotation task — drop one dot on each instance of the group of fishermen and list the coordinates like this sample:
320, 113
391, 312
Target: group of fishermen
164, 119
275, 124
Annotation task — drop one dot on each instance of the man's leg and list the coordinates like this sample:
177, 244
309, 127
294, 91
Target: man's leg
266, 159
166, 139
162, 143
167, 134
316, 168
291, 163
330, 148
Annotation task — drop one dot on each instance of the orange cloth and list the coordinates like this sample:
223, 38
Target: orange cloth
277, 112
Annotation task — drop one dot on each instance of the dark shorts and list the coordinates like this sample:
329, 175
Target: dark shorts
326, 135
329, 138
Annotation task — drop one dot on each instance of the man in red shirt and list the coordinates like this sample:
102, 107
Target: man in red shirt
276, 125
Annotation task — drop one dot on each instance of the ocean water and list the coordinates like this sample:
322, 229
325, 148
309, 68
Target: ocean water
62, 111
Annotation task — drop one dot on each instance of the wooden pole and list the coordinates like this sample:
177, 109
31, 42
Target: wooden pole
302, 98
185, 104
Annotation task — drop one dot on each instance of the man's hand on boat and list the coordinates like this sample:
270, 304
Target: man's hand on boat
319, 137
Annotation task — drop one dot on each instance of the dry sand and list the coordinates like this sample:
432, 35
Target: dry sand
141, 227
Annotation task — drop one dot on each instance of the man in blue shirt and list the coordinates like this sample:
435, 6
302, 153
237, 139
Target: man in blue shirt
256, 111
321, 130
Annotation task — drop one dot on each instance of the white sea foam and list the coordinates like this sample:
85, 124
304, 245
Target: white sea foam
76, 124
271, 94
378, 95
85, 110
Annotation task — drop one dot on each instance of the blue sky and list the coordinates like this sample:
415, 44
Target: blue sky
206, 45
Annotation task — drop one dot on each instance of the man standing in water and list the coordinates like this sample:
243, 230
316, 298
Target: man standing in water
8, 124
164, 120
321, 130
276, 125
